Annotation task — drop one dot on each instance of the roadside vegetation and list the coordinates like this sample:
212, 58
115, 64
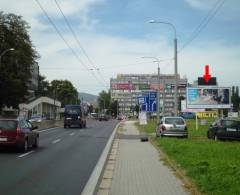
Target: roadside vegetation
213, 166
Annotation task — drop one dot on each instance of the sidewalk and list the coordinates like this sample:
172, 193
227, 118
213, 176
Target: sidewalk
137, 169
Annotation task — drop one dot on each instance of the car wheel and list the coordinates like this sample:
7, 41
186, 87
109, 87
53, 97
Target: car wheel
65, 126
25, 146
36, 144
69, 126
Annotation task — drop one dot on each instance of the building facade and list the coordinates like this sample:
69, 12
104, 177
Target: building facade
125, 88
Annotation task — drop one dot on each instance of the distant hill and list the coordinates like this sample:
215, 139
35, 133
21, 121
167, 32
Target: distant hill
88, 97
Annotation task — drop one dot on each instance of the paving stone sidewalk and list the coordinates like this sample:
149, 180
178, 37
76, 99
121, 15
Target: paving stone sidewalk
137, 169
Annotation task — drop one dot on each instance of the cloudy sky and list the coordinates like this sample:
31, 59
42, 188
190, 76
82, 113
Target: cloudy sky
114, 35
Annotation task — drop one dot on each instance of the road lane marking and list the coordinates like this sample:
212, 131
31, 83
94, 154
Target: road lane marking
81, 130
56, 141
40, 131
71, 134
90, 187
25, 154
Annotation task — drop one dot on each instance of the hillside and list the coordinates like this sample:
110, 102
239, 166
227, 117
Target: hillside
88, 97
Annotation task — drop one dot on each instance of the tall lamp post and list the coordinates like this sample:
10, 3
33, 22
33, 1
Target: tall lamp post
175, 63
158, 88
5, 51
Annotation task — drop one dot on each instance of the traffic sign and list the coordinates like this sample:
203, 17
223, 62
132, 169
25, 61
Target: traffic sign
148, 101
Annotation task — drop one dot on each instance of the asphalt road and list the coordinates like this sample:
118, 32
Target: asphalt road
61, 165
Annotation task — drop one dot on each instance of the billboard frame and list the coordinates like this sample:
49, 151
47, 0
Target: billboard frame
213, 106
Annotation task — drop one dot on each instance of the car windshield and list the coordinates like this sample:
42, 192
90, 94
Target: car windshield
8, 125
230, 123
177, 121
73, 110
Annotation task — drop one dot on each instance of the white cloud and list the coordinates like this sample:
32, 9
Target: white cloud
222, 59
57, 62
201, 4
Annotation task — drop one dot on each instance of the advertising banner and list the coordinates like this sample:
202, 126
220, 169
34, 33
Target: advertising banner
207, 114
155, 86
208, 97
127, 86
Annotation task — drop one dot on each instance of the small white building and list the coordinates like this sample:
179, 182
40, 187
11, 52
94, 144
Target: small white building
42, 106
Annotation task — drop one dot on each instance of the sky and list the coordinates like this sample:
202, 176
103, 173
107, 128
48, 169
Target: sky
113, 36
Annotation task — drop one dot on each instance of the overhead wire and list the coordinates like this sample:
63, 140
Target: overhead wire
78, 42
64, 40
216, 7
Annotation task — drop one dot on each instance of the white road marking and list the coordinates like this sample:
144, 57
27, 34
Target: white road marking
71, 134
25, 154
56, 141
81, 130
47, 129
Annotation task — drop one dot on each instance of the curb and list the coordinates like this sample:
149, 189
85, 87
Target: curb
91, 185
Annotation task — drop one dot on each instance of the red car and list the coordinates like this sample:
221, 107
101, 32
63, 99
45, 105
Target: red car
19, 133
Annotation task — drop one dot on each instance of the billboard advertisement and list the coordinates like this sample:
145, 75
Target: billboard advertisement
208, 97
121, 86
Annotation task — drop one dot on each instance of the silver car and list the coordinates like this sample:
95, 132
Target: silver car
172, 126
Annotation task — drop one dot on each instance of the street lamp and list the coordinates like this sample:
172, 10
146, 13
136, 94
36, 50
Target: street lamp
175, 62
5, 51
158, 88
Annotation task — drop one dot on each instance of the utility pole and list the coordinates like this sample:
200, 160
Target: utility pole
158, 95
176, 78
175, 64
158, 88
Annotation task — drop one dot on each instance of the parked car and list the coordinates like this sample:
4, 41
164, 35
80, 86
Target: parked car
19, 133
103, 117
188, 115
224, 129
37, 118
172, 126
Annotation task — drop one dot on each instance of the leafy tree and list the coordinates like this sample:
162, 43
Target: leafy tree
16, 65
235, 98
43, 87
113, 108
104, 100
179, 102
90, 108
64, 91
137, 108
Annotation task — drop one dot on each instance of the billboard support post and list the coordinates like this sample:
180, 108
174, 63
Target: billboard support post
196, 119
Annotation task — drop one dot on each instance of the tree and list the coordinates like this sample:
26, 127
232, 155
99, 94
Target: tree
64, 91
104, 100
90, 108
15, 66
113, 108
235, 98
43, 87
179, 102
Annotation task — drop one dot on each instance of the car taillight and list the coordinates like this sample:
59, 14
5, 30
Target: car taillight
18, 131
163, 128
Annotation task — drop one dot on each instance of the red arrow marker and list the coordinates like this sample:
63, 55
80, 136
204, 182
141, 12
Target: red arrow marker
207, 76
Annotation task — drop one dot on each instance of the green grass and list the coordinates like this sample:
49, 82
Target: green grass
213, 166
149, 128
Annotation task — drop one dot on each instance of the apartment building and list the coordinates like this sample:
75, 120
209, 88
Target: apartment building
125, 88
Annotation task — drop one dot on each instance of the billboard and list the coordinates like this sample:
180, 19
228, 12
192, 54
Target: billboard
208, 97
207, 114
212, 81
122, 86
